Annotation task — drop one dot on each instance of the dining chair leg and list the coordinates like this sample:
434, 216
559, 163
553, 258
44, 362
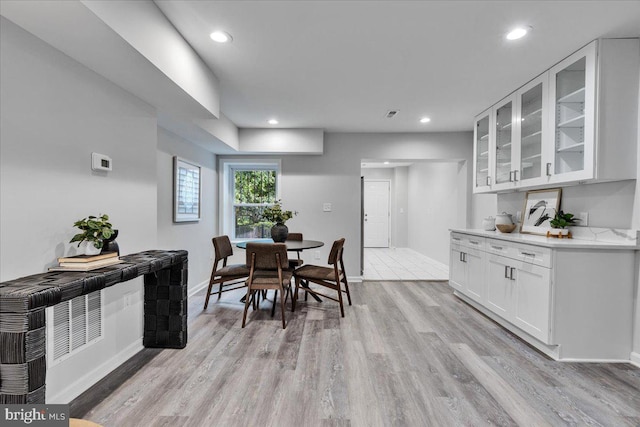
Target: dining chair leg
340, 299
273, 308
206, 300
220, 290
284, 326
246, 307
294, 298
346, 287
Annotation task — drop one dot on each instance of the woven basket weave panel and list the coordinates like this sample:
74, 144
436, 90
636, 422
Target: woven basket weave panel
22, 314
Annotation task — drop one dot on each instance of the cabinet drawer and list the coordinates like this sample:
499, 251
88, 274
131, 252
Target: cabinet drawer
500, 247
467, 241
533, 255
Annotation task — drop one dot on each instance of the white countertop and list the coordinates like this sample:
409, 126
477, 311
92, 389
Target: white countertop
624, 242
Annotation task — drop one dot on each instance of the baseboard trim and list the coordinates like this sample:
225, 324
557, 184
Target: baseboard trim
86, 381
634, 358
197, 288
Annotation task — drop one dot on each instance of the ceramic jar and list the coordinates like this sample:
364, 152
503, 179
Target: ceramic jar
504, 219
489, 224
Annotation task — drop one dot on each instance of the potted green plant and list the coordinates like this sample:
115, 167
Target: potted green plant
95, 231
561, 220
275, 215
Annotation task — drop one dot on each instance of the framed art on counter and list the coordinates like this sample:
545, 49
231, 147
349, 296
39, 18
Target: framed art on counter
540, 206
186, 191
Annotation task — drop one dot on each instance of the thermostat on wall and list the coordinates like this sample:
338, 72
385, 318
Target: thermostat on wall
100, 162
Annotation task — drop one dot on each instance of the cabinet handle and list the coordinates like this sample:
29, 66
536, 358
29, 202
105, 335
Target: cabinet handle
506, 271
464, 257
460, 257
473, 242
548, 169
515, 175
528, 254
457, 239
497, 247
488, 181
510, 176
511, 274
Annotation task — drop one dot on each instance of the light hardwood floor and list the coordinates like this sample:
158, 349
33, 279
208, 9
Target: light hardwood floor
406, 353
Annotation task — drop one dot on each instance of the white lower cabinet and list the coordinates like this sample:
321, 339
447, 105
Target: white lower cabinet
532, 300
565, 301
466, 269
520, 292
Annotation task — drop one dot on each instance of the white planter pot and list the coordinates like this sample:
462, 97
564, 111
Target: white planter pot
90, 249
559, 231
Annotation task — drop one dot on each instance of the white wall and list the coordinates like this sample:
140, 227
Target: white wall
401, 230
53, 114
195, 237
437, 203
635, 223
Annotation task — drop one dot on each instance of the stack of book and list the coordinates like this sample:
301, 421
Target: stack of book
87, 262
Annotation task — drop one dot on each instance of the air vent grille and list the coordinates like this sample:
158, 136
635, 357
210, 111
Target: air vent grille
76, 324
391, 114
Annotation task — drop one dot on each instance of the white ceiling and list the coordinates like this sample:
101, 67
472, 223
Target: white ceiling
341, 65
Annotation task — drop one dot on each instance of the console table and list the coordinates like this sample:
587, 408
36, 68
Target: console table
22, 314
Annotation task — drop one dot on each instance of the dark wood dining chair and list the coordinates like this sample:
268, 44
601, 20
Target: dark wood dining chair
332, 277
269, 269
296, 237
232, 274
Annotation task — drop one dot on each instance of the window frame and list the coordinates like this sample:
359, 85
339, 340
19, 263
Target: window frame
227, 205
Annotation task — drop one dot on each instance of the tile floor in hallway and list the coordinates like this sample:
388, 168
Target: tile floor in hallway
401, 264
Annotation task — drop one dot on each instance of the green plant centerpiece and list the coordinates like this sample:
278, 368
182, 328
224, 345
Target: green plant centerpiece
562, 220
275, 215
96, 230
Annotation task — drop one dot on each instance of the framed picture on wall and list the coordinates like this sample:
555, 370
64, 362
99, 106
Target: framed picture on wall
540, 206
186, 191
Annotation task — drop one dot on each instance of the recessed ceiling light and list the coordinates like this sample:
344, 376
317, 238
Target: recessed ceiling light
272, 122
425, 120
386, 163
517, 33
221, 37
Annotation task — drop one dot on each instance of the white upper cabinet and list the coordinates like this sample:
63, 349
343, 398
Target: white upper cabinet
533, 120
573, 83
505, 125
481, 148
577, 122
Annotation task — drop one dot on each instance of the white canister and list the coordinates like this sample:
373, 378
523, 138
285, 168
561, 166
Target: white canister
489, 224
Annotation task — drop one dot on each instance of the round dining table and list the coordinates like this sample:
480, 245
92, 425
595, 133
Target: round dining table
292, 246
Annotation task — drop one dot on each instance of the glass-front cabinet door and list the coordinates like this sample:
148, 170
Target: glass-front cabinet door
572, 84
504, 131
533, 121
506, 143
481, 150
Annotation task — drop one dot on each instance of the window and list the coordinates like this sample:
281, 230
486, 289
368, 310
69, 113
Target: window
247, 188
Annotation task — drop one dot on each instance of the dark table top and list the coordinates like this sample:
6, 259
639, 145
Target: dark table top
292, 245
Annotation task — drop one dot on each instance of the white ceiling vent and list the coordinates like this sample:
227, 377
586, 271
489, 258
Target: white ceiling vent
391, 114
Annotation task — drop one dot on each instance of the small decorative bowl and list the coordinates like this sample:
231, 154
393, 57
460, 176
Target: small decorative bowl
506, 228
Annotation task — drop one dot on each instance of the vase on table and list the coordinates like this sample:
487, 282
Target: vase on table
279, 233
110, 244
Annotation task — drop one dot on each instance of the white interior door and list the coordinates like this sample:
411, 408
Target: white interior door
376, 214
